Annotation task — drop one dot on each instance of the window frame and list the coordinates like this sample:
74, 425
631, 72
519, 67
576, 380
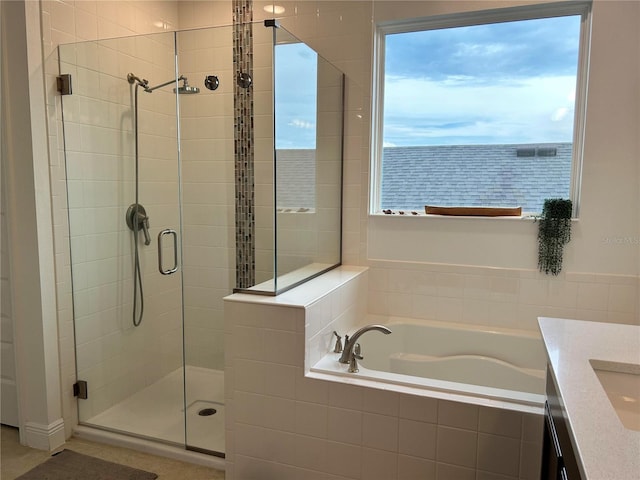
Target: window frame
482, 17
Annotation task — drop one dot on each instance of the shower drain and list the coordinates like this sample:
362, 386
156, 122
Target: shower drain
206, 412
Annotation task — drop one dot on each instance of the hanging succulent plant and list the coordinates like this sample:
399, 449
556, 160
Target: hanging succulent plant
554, 232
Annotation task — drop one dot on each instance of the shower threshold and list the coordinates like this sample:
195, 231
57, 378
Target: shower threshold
156, 412
98, 435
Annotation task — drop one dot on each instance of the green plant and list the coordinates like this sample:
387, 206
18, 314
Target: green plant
554, 232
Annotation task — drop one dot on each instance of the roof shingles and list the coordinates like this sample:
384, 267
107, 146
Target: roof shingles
473, 175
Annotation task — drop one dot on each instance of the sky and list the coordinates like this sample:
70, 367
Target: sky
509, 82
296, 79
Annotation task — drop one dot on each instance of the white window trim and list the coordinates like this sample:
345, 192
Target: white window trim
529, 12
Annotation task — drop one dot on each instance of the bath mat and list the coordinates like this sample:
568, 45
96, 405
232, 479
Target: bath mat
70, 465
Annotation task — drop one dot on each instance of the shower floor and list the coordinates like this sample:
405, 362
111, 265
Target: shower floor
157, 411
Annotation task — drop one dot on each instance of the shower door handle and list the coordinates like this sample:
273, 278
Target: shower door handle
161, 235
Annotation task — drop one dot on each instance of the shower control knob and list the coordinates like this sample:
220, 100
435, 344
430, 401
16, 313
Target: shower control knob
138, 221
244, 80
211, 82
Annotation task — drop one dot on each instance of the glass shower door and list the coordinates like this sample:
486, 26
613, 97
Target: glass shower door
205, 57
122, 194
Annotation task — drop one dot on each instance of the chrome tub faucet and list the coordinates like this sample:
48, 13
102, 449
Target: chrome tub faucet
351, 352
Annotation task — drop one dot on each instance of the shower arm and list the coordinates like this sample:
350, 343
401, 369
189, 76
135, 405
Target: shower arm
151, 89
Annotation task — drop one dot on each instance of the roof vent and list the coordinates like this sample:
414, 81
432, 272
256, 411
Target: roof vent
547, 152
526, 152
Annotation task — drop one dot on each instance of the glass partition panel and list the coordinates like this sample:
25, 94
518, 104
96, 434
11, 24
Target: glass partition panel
263, 166
300, 182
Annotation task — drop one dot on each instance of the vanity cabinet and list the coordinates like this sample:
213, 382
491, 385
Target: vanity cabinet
558, 458
591, 441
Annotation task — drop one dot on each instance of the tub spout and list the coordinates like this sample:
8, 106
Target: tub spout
351, 350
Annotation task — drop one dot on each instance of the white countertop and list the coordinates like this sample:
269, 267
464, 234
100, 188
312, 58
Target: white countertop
606, 449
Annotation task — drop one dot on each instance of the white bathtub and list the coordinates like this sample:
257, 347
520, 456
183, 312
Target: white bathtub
478, 365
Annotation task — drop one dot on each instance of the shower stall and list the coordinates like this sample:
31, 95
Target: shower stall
158, 140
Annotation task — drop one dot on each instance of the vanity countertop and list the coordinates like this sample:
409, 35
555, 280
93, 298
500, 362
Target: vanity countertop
606, 450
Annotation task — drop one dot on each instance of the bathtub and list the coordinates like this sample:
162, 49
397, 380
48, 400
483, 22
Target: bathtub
494, 367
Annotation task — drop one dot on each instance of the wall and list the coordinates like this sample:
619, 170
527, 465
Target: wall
9, 392
28, 207
208, 191
484, 271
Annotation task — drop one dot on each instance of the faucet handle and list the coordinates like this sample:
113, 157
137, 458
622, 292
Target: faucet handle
338, 347
353, 365
357, 351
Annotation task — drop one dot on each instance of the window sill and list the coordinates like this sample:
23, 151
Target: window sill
527, 217
425, 215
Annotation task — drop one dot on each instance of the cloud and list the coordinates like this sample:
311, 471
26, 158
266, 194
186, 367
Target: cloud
296, 122
525, 48
560, 114
481, 49
427, 112
296, 99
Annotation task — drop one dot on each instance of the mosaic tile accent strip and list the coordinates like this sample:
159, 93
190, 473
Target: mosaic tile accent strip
244, 144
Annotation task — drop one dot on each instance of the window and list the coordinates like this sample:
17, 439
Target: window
480, 109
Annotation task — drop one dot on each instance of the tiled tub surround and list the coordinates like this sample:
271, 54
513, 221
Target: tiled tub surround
282, 424
499, 297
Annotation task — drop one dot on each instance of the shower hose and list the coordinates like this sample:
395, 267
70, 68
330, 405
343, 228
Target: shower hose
137, 274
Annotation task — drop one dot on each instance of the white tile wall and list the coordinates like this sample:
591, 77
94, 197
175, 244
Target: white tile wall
320, 429
512, 298
208, 188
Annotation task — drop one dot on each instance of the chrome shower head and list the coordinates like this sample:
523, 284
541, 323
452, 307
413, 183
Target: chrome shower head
186, 89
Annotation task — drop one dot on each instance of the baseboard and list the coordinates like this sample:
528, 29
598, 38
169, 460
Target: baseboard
44, 437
